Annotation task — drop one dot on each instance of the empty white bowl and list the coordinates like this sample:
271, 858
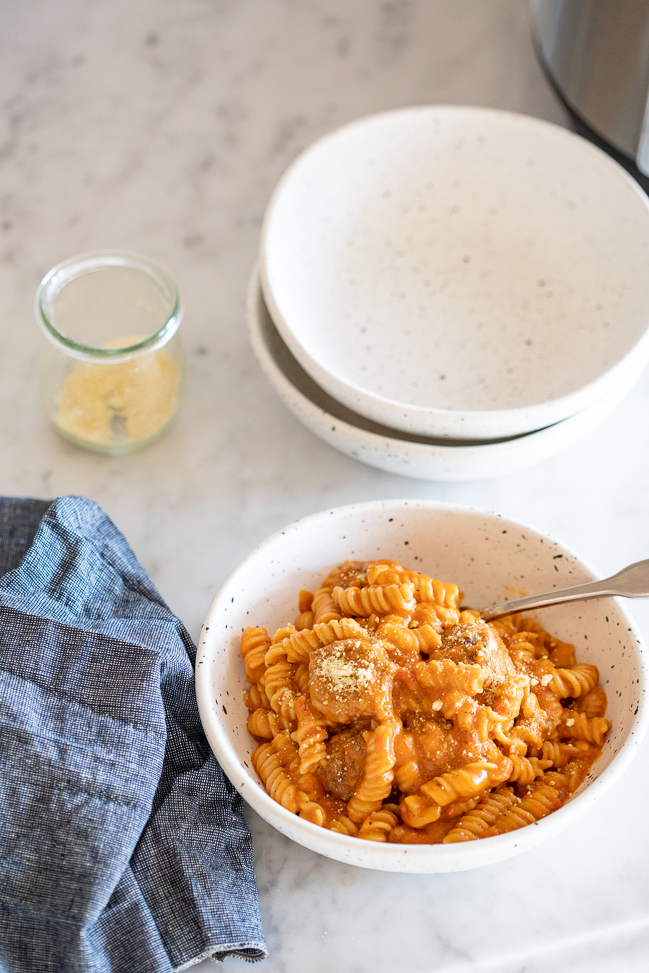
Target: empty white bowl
485, 555
395, 451
460, 272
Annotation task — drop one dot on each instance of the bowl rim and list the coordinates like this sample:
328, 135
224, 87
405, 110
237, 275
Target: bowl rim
394, 857
400, 443
435, 421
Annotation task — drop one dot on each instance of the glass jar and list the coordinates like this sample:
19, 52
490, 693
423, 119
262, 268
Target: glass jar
111, 369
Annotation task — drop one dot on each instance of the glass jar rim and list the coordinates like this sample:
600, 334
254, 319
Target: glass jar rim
91, 262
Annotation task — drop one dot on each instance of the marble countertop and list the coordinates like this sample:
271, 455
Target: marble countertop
161, 126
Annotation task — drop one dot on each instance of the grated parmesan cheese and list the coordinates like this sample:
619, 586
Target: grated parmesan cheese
344, 676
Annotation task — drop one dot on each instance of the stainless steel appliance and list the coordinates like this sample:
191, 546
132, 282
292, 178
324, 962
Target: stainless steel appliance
596, 53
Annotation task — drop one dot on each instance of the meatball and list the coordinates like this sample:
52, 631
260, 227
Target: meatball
474, 642
344, 764
351, 679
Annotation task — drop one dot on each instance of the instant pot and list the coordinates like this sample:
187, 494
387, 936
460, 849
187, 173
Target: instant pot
596, 54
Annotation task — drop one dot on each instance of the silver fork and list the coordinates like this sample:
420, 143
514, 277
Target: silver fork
631, 582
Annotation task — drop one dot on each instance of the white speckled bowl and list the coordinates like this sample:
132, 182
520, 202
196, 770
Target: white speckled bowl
399, 452
460, 272
485, 555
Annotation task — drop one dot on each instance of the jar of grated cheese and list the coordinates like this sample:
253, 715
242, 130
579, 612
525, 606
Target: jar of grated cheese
111, 369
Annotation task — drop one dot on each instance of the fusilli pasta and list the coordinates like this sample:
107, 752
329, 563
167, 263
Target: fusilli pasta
385, 711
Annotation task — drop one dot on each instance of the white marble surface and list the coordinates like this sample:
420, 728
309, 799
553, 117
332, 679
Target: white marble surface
161, 126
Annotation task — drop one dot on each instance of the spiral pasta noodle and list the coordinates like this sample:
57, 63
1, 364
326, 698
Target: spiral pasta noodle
262, 723
310, 735
255, 643
541, 800
577, 681
378, 825
376, 780
451, 675
324, 607
276, 780
577, 726
490, 808
527, 769
427, 637
375, 599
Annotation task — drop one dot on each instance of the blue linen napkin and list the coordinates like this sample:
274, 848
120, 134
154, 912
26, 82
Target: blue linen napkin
123, 846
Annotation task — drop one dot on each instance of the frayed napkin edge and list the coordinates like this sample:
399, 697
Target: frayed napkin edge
221, 952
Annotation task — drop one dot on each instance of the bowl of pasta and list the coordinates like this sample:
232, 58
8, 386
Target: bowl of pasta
359, 703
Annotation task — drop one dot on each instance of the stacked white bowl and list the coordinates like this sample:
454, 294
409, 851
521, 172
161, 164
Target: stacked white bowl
451, 292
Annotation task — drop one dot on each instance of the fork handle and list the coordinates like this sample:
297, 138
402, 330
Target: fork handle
581, 592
